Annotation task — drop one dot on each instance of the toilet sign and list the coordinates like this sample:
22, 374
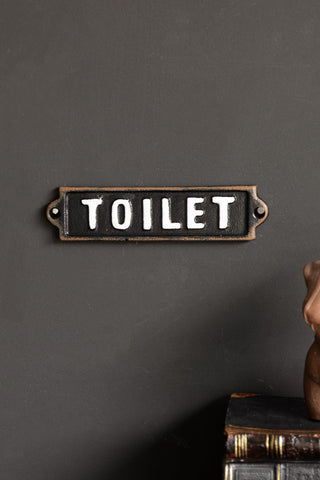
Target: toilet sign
145, 214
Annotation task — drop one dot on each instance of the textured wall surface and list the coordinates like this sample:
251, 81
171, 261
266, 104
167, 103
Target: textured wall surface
116, 360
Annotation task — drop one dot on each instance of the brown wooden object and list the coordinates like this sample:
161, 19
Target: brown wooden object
311, 312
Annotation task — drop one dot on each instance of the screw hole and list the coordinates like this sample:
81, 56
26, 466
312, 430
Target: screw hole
260, 212
55, 212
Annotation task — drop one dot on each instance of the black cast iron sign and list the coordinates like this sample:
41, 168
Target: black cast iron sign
175, 213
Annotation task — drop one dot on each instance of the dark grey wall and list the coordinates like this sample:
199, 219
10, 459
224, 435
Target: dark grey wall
116, 360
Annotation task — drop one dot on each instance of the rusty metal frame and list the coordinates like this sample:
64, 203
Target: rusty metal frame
251, 189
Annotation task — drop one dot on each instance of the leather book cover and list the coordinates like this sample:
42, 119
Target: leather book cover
269, 428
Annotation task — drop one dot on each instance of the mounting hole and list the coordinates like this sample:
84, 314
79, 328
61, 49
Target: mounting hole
54, 212
260, 212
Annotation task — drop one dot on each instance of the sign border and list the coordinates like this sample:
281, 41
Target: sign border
251, 189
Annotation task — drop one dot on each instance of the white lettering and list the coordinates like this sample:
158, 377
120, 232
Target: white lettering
193, 213
223, 203
92, 204
167, 223
147, 213
126, 204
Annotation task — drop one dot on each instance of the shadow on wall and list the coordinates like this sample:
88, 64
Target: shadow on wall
194, 448
251, 326
191, 449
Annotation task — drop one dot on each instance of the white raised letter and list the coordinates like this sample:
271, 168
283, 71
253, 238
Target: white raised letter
167, 224
127, 214
193, 213
223, 203
147, 213
92, 204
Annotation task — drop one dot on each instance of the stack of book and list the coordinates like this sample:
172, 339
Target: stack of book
270, 438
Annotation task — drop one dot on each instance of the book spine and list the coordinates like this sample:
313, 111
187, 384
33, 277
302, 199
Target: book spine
258, 447
272, 471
